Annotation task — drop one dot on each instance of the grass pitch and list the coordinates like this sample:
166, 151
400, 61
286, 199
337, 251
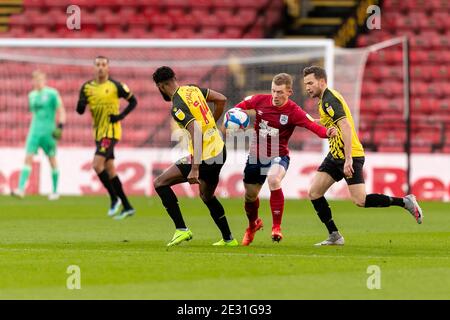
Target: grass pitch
128, 259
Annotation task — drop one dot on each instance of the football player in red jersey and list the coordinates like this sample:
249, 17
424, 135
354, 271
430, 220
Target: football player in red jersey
276, 118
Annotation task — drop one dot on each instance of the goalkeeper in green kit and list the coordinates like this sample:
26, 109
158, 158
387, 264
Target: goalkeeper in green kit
46, 107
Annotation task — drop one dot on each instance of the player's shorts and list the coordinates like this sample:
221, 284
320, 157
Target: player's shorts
335, 168
105, 147
209, 170
44, 141
256, 173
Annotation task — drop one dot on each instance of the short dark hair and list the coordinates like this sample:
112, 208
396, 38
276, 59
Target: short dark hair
319, 72
102, 57
163, 74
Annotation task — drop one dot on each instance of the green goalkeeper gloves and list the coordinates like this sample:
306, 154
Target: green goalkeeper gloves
57, 133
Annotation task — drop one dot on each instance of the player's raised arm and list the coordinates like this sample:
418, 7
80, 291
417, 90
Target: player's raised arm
219, 101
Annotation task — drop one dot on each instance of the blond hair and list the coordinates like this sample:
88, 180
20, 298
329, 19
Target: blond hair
283, 78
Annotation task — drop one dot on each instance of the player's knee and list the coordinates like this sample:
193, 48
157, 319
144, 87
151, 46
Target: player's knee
249, 197
206, 197
98, 167
274, 182
314, 194
158, 182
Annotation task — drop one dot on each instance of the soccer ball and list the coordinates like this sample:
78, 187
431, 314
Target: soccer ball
235, 118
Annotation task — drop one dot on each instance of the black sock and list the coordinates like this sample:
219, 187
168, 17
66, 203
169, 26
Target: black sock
117, 185
170, 202
324, 212
397, 202
104, 178
380, 200
218, 214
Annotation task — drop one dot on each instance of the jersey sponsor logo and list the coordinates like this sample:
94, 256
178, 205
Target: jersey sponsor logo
125, 88
330, 110
284, 119
180, 115
266, 130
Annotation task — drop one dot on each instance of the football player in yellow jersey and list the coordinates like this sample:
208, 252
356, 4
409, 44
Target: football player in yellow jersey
102, 94
208, 154
345, 159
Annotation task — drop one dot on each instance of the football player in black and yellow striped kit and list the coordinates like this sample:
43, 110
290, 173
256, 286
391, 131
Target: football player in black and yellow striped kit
345, 159
207, 153
102, 95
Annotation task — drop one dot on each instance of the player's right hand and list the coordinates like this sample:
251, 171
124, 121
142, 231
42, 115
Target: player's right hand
193, 177
331, 132
57, 133
348, 168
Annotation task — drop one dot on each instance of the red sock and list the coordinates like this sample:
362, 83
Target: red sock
277, 206
251, 208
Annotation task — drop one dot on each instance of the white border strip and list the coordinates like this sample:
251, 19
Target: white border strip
163, 43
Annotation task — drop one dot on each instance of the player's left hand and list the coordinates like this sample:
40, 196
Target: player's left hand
57, 133
348, 168
193, 177
113, 118
331, 132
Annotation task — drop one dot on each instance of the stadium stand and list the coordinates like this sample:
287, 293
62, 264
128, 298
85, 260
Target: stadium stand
171, 19
427, 24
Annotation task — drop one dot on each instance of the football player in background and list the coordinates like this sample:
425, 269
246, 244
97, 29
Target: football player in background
102, 95
49, 117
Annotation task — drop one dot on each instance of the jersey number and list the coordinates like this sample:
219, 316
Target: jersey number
203, 110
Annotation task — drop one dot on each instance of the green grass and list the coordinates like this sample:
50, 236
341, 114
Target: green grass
128, 259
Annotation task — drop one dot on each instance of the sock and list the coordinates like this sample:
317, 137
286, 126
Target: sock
277, 206
104, 178
170, 202
397, 202
55, 178
117, 185
24, 175
218, 215
380, 200
251, 208
324, 212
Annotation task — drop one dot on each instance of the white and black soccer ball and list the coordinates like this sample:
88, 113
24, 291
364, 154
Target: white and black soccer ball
235, 118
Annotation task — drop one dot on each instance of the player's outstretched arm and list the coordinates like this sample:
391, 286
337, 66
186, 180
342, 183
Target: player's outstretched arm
302, 119
219, 101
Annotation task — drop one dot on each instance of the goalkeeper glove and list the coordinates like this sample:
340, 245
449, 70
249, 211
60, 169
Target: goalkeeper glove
113, 118
57, 133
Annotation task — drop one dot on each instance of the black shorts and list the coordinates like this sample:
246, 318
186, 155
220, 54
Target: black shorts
335, 168
105, 147
256, 173
209, 170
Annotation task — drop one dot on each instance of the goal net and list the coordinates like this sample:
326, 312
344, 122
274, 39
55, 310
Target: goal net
237, 68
